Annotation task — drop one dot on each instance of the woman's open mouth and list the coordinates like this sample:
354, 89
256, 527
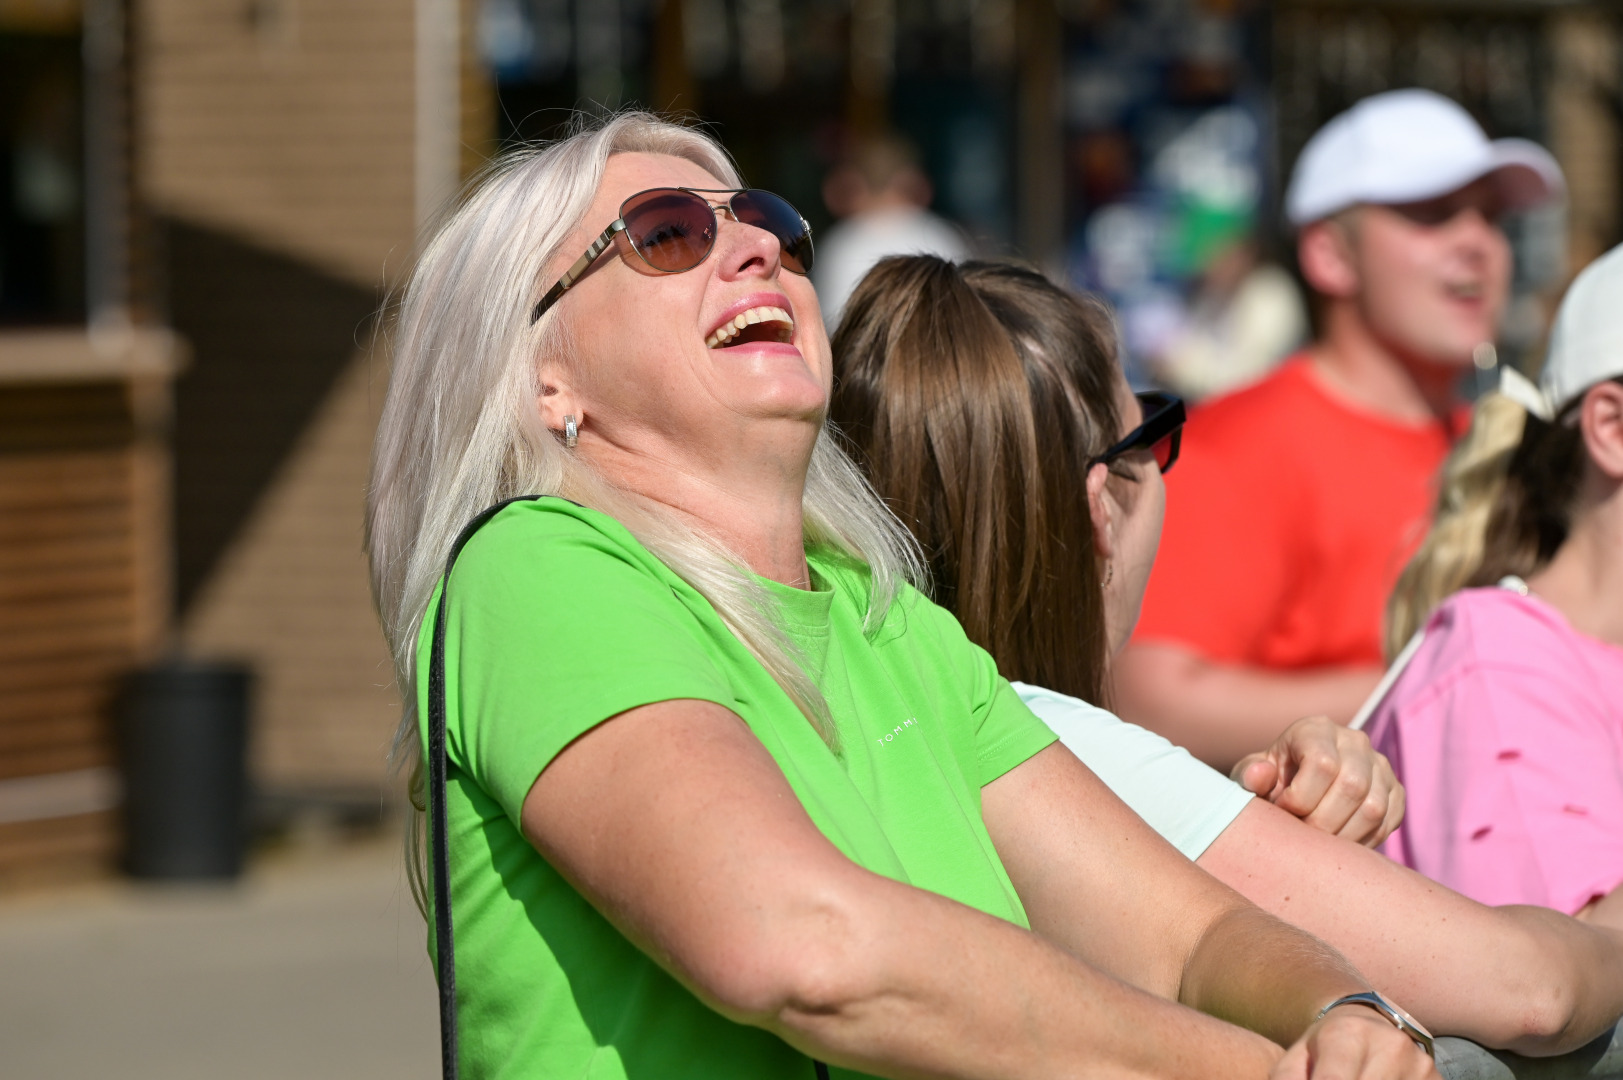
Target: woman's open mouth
754, 324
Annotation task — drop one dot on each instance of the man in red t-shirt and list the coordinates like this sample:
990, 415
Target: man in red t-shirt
1298, 499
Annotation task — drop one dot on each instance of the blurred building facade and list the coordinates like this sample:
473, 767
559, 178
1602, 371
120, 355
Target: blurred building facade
238, 187
207, 203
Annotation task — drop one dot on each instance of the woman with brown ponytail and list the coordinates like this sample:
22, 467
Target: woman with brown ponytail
1506, 720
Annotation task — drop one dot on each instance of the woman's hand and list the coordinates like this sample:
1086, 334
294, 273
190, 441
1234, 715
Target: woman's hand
1354, 1042
1329, 776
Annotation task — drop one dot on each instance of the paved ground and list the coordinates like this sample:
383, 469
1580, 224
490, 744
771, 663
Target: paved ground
313, 967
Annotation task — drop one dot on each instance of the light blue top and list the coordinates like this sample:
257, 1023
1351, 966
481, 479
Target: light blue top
1185, 800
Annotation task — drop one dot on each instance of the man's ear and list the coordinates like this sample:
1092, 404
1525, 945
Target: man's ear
1324, 250
1102, 511
1602, 422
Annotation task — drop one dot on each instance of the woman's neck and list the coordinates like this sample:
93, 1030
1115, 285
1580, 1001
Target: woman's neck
1585, 579
753, 510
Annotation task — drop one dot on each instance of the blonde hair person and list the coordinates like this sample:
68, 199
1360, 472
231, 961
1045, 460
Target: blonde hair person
1504, 716
724, 793
1452, 556
456, 439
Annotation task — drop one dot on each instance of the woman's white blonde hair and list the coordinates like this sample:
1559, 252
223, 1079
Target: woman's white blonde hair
461, 429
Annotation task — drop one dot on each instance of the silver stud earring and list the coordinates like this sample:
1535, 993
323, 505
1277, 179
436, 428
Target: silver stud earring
571, 432
1110, 572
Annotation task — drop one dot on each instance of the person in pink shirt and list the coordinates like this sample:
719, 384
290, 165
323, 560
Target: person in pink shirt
1504, 714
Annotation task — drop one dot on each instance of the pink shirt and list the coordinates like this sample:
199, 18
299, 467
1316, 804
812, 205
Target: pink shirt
1507, 730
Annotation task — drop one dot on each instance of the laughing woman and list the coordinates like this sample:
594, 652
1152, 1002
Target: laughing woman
726, 792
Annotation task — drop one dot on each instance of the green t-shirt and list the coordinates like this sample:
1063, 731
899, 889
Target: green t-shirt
559, 619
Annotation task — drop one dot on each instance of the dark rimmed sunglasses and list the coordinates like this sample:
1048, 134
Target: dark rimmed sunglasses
1161, 433
674, 229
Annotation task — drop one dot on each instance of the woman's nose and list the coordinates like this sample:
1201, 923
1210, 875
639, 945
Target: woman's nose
744, 248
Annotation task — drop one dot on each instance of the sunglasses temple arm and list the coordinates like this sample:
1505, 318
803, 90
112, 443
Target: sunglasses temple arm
573, 274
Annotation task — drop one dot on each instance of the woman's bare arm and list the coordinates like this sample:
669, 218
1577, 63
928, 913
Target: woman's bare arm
1100, 882
1517, 978
677, 825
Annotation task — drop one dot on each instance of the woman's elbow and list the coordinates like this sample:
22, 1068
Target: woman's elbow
798, 969
1544, 1011
1548, 1023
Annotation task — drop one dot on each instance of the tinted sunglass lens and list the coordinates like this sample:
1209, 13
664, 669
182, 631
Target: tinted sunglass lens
1166, 449
773, 213
672, 230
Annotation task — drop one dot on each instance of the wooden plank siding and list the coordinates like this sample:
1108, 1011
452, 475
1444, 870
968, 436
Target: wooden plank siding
83, 580
287, 124
278, 145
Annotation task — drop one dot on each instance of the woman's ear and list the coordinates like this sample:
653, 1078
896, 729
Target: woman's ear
1602, 422
1102, 511
558, 398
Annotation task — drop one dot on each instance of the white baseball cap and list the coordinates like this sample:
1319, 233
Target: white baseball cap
1407, 146
1586, 343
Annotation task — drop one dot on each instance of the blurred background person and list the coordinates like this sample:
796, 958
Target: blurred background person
1507, 721
881, 198
1303, 492
1244, 315
1180, 255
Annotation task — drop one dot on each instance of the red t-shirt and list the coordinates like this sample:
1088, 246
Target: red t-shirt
1289, 517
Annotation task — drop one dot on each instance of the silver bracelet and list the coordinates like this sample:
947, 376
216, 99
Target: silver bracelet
1400, 1019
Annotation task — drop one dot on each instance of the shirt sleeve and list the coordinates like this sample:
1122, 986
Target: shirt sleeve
1515, 788
1007, 733
1185, 800
552, 628
1222, 572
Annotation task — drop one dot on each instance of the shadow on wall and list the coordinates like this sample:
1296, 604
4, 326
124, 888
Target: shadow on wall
269, 335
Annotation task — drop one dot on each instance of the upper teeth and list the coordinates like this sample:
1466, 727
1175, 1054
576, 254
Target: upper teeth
729, 330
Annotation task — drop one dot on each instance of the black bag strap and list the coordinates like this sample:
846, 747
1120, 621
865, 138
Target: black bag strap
439, 830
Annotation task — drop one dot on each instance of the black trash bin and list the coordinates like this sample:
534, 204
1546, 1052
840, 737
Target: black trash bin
183, 735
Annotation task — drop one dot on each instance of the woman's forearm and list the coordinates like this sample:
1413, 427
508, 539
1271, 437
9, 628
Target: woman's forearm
1253, 970
909, 983
1523, 979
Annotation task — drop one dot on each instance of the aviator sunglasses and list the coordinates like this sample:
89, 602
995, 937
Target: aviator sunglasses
674, 229
1160, 433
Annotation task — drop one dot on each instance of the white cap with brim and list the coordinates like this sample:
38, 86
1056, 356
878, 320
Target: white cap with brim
1586, 343
1407, 146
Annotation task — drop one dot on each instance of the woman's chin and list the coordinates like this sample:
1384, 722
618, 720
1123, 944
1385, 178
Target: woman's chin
774, 380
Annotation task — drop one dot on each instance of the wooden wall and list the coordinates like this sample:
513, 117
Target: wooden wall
278, 147
84, 592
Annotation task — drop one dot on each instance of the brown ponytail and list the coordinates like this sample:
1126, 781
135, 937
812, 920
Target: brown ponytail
974, 396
